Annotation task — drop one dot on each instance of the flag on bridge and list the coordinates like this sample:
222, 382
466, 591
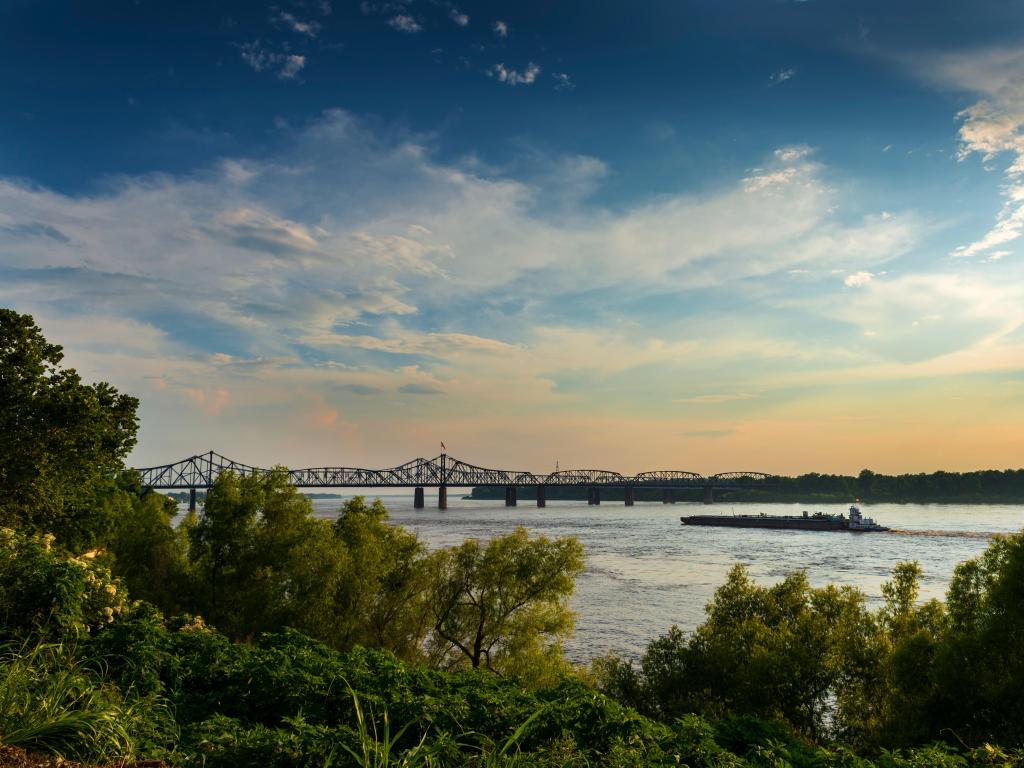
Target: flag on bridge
443, 449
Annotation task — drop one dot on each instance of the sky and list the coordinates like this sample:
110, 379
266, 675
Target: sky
705, 235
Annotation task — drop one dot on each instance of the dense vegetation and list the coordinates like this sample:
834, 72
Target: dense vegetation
258, 635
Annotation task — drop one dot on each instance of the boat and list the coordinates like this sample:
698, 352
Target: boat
817, 521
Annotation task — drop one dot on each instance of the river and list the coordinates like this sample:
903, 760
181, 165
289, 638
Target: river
645, 571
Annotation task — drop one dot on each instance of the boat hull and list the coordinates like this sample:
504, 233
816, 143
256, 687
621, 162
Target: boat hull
768, 521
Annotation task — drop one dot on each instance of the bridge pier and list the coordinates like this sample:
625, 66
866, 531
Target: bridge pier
417, 498
510, 496
542, 500
629, 495
442, 497
668, 496
191, 499
594, 496
709, 495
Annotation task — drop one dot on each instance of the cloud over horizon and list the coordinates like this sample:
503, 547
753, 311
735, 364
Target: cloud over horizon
352, 281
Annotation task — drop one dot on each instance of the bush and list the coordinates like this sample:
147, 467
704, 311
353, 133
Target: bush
48, 594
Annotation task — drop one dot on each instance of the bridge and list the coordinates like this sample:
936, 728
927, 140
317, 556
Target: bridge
443, 472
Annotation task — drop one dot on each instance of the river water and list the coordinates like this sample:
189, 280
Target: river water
645, 571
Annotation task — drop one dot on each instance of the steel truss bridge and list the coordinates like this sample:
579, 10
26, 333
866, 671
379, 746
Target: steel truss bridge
442, 472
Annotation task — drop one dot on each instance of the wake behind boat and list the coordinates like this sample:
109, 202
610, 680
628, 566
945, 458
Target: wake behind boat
818, 521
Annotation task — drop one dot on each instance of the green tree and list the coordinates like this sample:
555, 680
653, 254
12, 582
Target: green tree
383, 603
503, 606
150, 553
778, 652
978, 672
62, 442
262, 562
219, 545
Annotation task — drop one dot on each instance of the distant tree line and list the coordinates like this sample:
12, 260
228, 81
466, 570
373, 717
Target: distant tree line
989, 486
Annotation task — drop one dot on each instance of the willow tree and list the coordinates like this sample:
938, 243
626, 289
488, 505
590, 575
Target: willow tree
503, 605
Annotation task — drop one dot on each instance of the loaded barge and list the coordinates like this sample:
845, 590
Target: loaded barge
818, 521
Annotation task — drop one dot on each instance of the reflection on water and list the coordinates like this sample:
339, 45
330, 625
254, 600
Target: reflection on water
645, 571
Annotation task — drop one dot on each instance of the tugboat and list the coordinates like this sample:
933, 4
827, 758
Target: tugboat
857, 522
819, 521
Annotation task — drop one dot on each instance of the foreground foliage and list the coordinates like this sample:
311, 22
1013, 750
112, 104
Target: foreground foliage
908, 673
139, 684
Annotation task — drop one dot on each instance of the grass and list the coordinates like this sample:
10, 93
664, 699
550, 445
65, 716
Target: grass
50, 703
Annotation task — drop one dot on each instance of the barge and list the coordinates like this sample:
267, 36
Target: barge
817, 521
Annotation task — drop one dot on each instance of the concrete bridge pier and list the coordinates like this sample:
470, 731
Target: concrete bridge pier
442, 497
629, 495
709, 495
668, 496
510, 496
417, 498
593, 496
191, 499
542, 500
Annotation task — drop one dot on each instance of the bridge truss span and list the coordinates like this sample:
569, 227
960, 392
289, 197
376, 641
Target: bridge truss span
441, 472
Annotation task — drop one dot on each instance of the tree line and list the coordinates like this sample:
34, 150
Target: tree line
989, 486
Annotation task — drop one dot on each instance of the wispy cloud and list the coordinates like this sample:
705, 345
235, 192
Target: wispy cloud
514, 77
563, 82
308, 28
404, 23
500, 29
991, 127
260, 58
858, 279
713, 399
461, 19
348, 273
782, 75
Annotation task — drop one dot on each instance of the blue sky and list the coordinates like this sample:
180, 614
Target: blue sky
701, 235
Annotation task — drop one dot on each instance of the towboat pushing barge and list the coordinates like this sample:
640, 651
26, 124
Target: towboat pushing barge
818, 521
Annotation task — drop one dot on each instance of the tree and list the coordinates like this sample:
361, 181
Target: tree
150, 553
62, 442
219, 543
503, 606
262, 562
383, 602
779, 651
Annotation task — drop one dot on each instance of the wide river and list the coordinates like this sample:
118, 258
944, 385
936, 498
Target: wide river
645, 571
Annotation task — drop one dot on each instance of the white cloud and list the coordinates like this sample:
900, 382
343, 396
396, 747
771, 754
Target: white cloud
563, 82
404, 23
305, 282
991, 127
858, 279
782, 75
458, 17
513, 77
261, 58
500, 29
291, 66
308, 28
